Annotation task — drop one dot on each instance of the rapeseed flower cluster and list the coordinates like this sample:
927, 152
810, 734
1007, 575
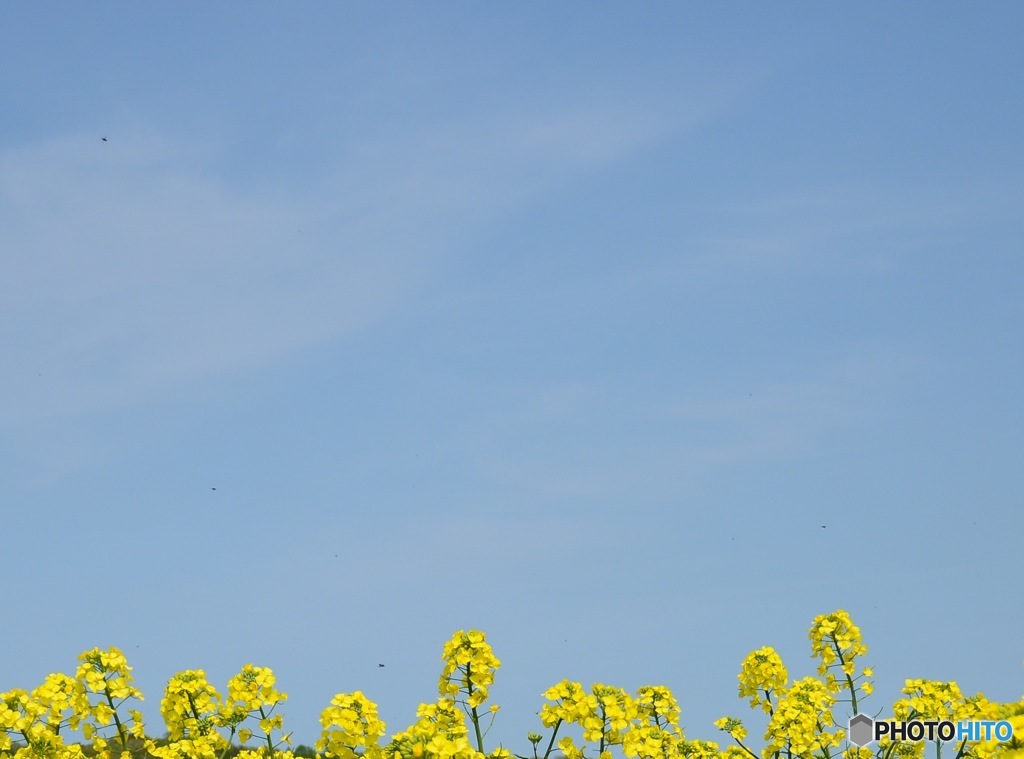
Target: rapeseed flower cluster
251, 693
657, 705
191, 708
646, 725
1012, 749
468, 672
934, 700
656, 733
203, 724
837, 642
761, 675
699, 750
190, 704
89, 701
36, 726
799, 724
439, 733
928, 699
350, 725
469, 667
616, 712
733, 727
572, 704
105, 673
15, 714
652, 742
60, 694
197, 715
801, 721
252, 690
43, 743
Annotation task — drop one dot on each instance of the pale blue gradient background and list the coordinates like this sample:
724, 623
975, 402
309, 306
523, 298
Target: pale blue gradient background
569, 322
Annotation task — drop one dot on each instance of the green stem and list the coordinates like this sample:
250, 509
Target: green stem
117, 720
195, 709
824, 749
227, 747
740, 744
472, 709
551, 743
270, 743
849, 679
479, 735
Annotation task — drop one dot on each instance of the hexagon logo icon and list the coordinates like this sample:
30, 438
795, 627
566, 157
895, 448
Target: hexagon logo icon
862, 730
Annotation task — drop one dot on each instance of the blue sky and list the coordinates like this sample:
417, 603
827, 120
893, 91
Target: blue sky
573, 323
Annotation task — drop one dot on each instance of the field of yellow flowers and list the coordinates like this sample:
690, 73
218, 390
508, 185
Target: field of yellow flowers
100, 704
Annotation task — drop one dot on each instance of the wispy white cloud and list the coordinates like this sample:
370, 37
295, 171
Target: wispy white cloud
587, 449
864, 227
130, 265
124, 274
785, 420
